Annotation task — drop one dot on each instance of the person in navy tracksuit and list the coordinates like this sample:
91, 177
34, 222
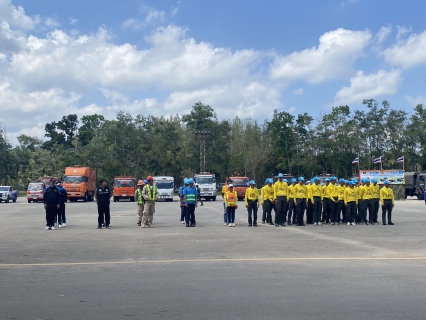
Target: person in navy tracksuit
62, 220
52, 199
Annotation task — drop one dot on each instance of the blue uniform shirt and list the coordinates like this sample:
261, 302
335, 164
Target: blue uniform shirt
181, 190
189, 190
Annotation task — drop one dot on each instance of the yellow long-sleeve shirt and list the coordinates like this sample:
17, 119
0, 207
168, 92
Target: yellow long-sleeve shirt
375, 191
340, 193
290, 191
300, 192
251, 194
268, 193
362, 190
325, 192
280, 189
310, 196
332, 191
351, 195
317, 191
368, 195
386, 193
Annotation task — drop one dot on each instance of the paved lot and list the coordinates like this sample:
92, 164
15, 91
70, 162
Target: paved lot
211, 271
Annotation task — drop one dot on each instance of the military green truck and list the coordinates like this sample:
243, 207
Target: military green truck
415, 184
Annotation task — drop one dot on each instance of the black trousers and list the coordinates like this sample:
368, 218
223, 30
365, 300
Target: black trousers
351, 211
344, 212
190, 214
368, 204
326, 210
387, 207
333, 210
267, 211
300, 209
376, 207
361, 211
291, 211
104, 215
51, 212
317, 209
309, 212
337, 209
280, 210
252, 211
61, 214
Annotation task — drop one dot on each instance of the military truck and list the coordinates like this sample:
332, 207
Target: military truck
415, 184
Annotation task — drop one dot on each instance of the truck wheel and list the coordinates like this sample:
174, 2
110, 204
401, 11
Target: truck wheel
85, 198
29, 201
214, 198
115, 199
14, 200
132, 199
7, 200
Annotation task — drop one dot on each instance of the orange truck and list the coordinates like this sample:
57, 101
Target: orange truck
241, 184
124, 188
80, 183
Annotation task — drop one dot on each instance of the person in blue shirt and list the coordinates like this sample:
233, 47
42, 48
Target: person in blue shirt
190, 194
62, 220
182, 202
52, 200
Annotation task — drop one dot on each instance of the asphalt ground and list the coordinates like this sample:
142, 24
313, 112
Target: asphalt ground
210, 271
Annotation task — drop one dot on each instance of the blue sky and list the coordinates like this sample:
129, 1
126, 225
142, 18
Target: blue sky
244, 58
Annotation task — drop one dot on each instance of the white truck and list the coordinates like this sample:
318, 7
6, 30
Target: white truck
165, 187
207, 183
7, 193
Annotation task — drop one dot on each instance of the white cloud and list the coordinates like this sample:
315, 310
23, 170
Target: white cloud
402, 32
152, 17
383, 34
15, 16
420, 99
298, 92
51, 23
333, 58
73, 21
369, 86
407, 53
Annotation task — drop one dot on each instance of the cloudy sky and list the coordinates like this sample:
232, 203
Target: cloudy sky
244, 58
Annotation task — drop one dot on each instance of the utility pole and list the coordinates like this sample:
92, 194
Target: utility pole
202, 136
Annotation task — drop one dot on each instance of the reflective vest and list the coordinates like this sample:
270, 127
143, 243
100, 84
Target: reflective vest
151, 192
140, 198
191, 194
232, 198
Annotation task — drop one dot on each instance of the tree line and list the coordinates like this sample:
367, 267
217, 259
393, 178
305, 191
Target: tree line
144, 145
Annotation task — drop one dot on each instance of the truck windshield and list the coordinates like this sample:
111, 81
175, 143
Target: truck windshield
74, 179
164, 185
205, 180
4, 188
240, 182
124, 183
35, 187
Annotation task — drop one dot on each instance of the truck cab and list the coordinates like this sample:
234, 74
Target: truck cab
165, 187
35, 191
241, 184
80, 183
207, 184
415, 184
124, 188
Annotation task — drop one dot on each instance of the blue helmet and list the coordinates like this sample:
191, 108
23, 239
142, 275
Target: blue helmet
386, 182
341, 180
145, 181
190, 180
327, 180
333, 179
352, 183
367, 181
185, 181
374, 180
266, 181
280, 175
285, 180
270, 180
293, 180
252, 182
301, 179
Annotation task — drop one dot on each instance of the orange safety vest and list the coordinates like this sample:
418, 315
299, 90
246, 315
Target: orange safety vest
232, 198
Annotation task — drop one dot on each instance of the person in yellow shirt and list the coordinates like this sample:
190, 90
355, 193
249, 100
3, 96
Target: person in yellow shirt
309, 204
267, 201
332, 193
325, 202
300, 198
225, 189
280, 197
375, 189
291, 205
351, 200
316, 190
251, 200
387, 200
231, 198
368, 202
340, 192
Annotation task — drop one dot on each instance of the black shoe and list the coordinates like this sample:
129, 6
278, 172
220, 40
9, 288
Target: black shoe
249, 224
277, 225
282, 225
391, 223
187, 225
365, 223
271, 224
371, 223
255, 224
192, 225
99, 227
300, 224
289, 223
139, 224
384, 223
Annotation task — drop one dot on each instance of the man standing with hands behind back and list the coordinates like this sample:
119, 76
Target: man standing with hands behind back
102, 196
52, 200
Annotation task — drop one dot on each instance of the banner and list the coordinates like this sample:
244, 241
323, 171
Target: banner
393, 176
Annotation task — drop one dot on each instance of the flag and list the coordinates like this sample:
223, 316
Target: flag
400, 160
377, 160
355, 161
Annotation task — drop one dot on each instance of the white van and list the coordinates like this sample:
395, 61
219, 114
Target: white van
166, 187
